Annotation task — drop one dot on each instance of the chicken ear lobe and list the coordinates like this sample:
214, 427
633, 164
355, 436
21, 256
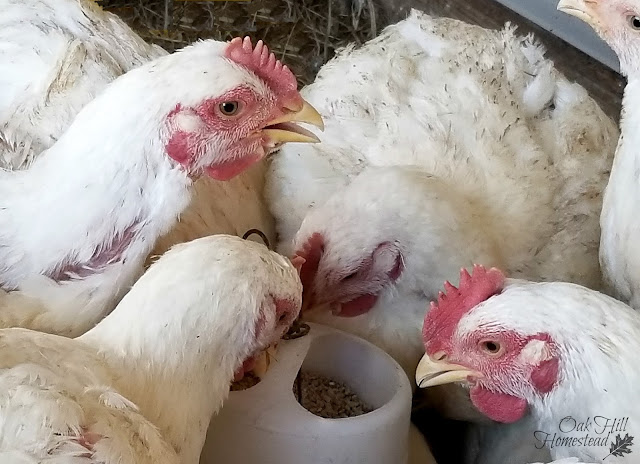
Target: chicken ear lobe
387, 259
540, 353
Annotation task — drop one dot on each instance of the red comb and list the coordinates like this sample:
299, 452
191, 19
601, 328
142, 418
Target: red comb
443, 317
263, 64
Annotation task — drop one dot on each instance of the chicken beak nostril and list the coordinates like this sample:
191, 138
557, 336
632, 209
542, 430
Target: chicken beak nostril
431, 372
440, 356
293, 106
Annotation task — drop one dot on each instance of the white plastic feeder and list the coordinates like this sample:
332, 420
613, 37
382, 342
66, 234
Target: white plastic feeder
266, 425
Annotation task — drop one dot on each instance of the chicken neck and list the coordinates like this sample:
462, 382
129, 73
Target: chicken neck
620, 218
175, 357
81, 220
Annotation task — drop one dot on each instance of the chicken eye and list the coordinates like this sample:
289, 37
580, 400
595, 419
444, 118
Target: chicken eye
491, 347
229, 108
634, 22
282, 318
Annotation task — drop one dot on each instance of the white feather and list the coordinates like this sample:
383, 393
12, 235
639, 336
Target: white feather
56, 57
477, 176
97, 166
619, 246
597, 344
496, 159
147, 402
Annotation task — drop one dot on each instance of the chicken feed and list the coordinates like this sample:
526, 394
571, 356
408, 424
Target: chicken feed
322, 396
328, 398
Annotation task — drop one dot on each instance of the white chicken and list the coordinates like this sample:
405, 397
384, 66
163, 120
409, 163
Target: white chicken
56, 56
78, 224
618, 23
460, 144
472, 105
445, 144
559, 351
141, 386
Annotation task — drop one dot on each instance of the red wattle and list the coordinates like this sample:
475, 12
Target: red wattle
499, 407
357, 306
247, 365
228, 169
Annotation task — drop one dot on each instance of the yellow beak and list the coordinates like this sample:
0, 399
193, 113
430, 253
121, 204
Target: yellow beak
581, 9
263, 361
431, 373
282, 129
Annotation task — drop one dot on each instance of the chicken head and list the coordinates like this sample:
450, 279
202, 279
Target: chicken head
505, 368
351, 292
617, 22
389, 233
239, 104
276, 316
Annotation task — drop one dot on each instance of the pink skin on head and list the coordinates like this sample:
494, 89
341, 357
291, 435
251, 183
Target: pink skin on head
610, 13
286, 312
237, 135
508, 369
545, 376
350, 293
616, 22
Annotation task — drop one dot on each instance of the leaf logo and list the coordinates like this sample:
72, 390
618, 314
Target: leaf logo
620, 446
